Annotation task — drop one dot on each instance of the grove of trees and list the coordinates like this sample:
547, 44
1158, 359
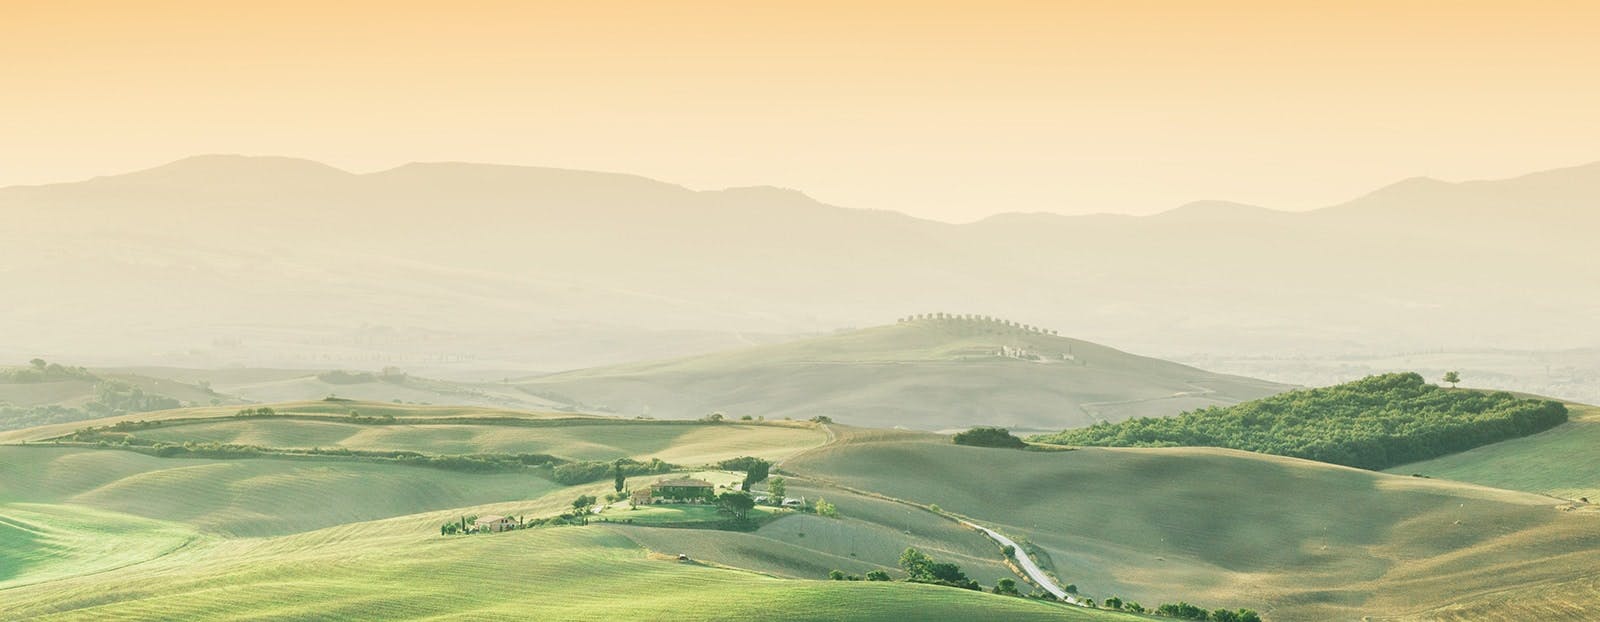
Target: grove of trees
984, 436
1373, 423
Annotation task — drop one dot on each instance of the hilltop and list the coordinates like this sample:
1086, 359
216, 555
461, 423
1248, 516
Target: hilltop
931, 371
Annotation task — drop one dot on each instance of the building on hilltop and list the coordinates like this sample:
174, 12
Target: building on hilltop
493, 523
682, 490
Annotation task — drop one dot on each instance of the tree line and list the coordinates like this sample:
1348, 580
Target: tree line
1374, 423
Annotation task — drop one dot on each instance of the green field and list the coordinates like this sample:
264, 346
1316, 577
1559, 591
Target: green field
246, 497
357, 571
1294, 539
869, 534
103, 533
1562, 461
43, 542
674, 442
926, 374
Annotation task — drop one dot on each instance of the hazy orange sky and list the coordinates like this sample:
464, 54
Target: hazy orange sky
949, 110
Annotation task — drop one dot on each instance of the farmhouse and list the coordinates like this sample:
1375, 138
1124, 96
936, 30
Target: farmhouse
640, 496
492, 523
682, 490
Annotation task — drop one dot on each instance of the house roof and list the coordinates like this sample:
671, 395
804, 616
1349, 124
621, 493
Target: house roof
685, 483
488, 519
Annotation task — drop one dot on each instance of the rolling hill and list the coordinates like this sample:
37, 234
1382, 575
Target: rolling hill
926, 373
1560, 461
93, 393
1295, 539
95, 531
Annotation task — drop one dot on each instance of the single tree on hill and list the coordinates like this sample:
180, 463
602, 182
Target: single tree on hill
1452, 377
777, 488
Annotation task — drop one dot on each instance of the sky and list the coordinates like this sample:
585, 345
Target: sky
945, 110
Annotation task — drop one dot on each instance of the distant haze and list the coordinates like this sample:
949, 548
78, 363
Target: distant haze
951, 111
222, 260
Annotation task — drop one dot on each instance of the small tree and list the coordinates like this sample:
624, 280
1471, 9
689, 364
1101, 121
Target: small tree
1113, 603
1071, 588
836, 575
619, 477
777, 487
915, 563
1010, 551
1452, 377
877, 575
826, 509
736, 504
1007, 587
582, 504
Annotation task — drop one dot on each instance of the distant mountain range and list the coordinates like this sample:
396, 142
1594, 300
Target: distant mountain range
219, 260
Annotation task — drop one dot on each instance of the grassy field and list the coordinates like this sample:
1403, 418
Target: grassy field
401, 569
1562, 461
1296, 539
44, 542
924, 374
245, 497
869, 534
91, 533
674, 442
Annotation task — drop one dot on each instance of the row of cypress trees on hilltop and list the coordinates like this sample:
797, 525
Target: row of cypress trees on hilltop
975, 318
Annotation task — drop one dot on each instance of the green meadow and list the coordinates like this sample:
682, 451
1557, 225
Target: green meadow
93, 532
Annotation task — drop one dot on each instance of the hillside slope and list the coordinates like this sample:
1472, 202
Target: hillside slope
352, 572
1561, 461
919, 373
1297, 540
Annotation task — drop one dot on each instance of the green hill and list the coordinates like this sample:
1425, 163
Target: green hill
106, 533
1294, 539
1561, 461
920, 373
394, 570
1373, 423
